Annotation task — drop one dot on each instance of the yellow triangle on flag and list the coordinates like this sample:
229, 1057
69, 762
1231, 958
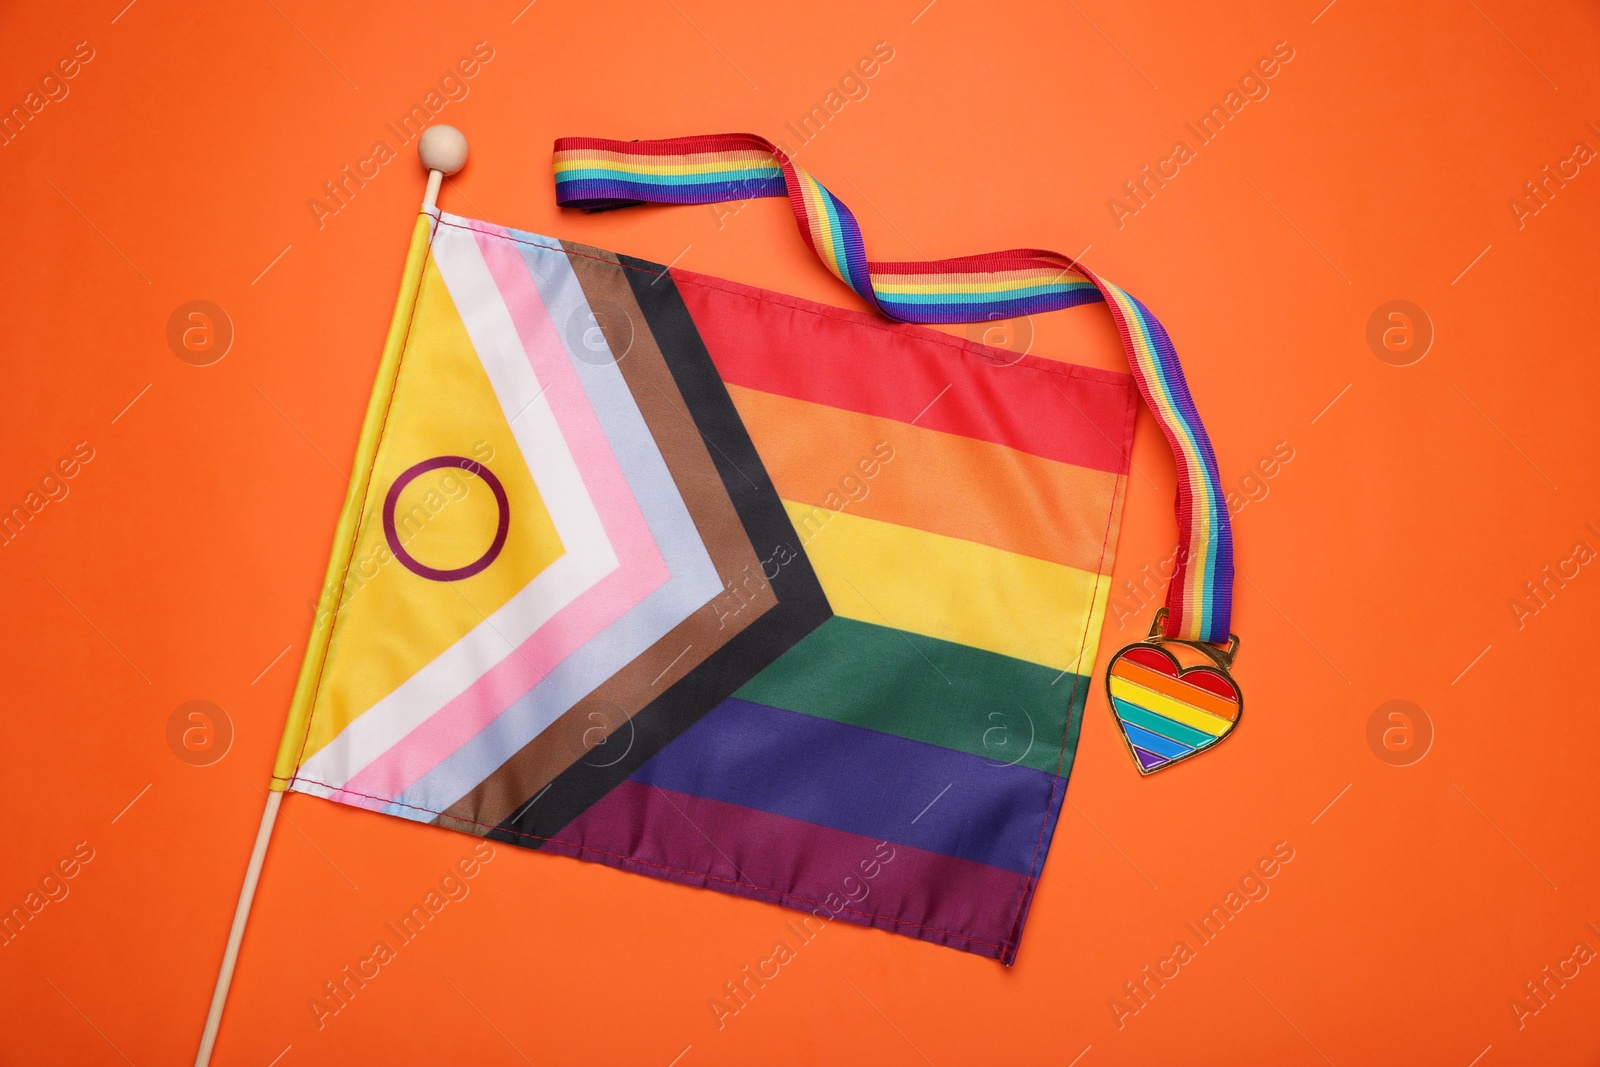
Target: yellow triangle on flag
393, 621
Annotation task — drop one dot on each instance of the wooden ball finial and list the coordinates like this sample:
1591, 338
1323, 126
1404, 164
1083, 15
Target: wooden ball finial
443, 148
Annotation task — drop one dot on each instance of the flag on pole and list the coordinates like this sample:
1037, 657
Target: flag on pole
717, 585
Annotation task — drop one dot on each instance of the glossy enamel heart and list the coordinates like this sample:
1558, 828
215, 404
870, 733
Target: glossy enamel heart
1168, 712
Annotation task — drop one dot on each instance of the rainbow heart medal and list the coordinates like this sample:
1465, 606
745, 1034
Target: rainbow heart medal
1168, 711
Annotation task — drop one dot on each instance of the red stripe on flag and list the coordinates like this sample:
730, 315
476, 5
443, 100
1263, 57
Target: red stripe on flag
847, 359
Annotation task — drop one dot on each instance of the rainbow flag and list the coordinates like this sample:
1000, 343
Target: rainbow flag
716, 585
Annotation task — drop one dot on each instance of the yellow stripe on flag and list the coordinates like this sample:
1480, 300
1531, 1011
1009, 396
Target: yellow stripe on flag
952, 589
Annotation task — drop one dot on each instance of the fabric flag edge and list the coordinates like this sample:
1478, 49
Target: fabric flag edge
297, 726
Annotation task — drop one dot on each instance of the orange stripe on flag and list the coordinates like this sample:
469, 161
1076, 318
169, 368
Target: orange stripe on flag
943, 483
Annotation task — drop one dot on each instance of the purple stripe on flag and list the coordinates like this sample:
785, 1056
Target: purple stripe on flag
829, 873
860, 781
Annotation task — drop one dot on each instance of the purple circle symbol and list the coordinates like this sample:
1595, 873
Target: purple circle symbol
471, 466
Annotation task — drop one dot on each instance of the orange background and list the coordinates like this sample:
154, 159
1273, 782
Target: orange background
1379, 565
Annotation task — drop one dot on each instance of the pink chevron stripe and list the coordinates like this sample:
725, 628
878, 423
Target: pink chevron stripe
641, 569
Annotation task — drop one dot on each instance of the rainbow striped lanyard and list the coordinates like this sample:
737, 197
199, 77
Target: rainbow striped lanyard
596, 174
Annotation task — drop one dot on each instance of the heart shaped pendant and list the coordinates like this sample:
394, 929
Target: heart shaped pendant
1169, 712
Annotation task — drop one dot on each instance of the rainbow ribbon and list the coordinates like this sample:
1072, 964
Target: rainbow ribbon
596, 174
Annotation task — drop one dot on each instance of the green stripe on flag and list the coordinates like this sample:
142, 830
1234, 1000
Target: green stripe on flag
1003, 709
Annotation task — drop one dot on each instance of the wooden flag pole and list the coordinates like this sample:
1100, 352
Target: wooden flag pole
443, 151
230, 955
